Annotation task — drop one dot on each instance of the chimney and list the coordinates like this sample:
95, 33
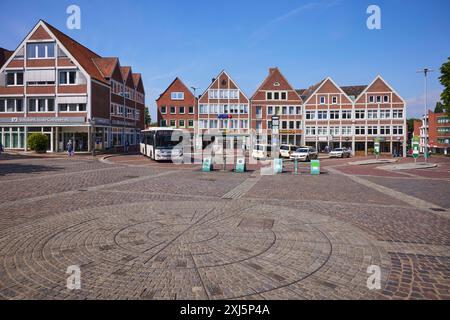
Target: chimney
272, 70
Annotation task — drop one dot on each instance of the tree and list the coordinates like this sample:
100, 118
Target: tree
445, 81
38, 142
410, 123
147, 118
439, 107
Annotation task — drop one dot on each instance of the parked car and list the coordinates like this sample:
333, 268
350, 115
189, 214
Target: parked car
287, 149
305, 154
261, 151
340, 153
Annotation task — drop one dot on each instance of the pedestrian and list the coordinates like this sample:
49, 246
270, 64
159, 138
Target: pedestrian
127, 144
1, 148
70, 148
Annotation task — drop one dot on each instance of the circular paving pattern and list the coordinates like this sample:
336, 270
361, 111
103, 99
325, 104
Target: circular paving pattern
188, 250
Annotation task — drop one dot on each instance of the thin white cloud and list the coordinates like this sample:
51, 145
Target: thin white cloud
325, 4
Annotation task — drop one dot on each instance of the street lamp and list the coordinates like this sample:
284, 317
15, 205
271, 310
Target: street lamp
425, 71
195, 135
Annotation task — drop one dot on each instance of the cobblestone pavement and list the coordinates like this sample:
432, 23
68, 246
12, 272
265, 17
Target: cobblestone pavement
144, 230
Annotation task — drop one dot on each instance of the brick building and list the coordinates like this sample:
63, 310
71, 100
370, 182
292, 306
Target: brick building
325, 114
353, 116
177, 107
438, 126
276, 96
54, 85
224, 108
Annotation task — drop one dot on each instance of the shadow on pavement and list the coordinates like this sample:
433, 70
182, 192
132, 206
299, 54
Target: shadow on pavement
14, 168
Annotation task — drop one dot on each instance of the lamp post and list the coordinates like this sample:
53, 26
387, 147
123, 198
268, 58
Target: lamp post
195, 135
425, 71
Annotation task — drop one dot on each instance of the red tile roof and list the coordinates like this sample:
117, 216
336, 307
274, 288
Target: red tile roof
106, 65
354, 90
4, 55
84, 56
99, 68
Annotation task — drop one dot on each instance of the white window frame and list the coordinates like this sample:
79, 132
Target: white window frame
67, 72
15, 78
176, 96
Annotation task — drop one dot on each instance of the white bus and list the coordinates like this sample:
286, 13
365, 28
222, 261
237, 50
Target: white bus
158, 143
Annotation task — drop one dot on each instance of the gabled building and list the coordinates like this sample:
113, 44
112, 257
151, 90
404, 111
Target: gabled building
277, 97
177, 107
328, 116
54, 85
353, 116
224, 108
380, 112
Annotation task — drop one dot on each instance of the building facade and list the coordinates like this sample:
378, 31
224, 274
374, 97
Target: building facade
324, 116
177, 107
438, 131
354, 116
223, 109
53, 85
276, 97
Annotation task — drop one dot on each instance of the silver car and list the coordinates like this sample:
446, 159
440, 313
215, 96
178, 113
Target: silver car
340, 153
304, 154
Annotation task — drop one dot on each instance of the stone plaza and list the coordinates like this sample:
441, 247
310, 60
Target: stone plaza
138, 229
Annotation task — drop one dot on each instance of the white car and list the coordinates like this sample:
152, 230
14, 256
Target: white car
304, 154
339, 153
261, 151
287, 149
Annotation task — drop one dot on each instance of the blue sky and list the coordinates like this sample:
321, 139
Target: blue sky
308, 40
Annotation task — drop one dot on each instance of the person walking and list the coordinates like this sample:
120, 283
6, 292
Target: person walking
70, 148
127, 145
1, 148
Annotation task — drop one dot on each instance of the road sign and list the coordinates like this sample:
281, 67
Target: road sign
207, 165
415, 146
315, 167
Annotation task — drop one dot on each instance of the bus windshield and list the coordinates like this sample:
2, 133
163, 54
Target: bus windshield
164, 139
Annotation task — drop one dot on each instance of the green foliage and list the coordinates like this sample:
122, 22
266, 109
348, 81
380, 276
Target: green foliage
37, 142
410, 123
147, 118
439, 107
445, 81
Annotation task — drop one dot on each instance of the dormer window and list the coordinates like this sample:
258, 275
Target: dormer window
40, 50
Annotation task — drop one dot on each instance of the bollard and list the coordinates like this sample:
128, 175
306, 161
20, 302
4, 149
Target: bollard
207, 165
315, 167
277, 166
240, 165
296, 166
